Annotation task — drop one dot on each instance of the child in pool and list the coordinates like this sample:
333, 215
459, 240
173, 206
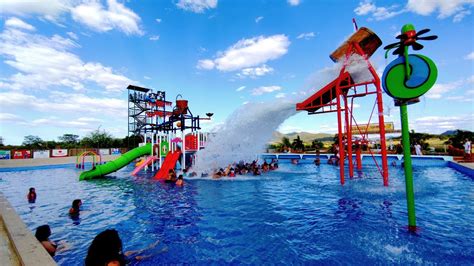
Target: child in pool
180, 181
31, 196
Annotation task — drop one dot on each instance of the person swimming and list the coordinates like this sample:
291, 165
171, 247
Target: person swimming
75, 208
171, 176
31, 196
42, 234
180, 181
106, 249
317, 161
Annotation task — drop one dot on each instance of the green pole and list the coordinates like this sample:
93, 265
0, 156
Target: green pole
408, 167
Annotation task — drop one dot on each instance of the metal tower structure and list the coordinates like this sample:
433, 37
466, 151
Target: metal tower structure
338, 96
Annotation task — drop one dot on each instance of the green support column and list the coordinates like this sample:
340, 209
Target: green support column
408, 167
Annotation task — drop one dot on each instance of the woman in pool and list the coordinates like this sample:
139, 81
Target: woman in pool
106, 249
31, 195
42, 234
75, 208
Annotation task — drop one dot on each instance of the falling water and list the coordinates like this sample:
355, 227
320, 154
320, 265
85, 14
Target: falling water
246, 132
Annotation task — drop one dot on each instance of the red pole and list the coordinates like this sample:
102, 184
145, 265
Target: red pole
339, 130
349, 138
358, 157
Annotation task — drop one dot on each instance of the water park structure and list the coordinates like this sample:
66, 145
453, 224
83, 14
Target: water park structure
157, 122
339, 95
306, 211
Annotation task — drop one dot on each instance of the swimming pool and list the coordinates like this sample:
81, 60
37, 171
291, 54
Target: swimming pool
297, 214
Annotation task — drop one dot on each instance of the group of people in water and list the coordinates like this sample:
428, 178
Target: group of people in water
105, 249
242, 168
44, 231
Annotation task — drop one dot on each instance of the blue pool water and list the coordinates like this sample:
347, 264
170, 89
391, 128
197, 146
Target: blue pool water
297, 214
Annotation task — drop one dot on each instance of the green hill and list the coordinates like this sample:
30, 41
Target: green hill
306, 137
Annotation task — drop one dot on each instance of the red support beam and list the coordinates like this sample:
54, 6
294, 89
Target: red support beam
349, 137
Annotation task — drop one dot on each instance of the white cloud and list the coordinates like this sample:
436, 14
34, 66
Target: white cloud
306, 36
280, 95
255, 71
48, 9
367, 7
294, 2
439, 124
241, 88
469, 56
72, 35
7, 117
196, 6
248, 53
146, 77
257, 20
439, 89
445, 8
459, 98
59, 102
18, 23
155, 38
158, 20
45, 62
116, 16
265, 89
205, 64
459, 16
90, 13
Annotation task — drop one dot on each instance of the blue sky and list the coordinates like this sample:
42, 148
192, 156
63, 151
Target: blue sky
65, 65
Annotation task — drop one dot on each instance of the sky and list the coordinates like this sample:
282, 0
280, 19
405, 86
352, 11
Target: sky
65, 65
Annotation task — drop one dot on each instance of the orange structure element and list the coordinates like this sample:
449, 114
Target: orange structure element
338, 96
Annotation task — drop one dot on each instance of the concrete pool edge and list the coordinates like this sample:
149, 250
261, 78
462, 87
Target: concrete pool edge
27, 249
464, 168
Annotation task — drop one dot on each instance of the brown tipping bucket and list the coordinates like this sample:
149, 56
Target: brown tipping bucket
367, 40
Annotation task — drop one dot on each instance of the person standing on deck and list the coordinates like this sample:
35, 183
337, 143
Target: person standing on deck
418, 149
467, 149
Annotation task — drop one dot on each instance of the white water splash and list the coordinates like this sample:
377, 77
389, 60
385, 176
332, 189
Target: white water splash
246, 132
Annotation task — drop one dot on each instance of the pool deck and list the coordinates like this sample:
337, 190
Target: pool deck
18, 246
468, 165
47, 161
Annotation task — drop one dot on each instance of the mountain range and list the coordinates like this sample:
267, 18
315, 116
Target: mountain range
306, 137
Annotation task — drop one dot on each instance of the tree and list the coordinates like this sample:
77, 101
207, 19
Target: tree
131, 141
297, 144
419, 138
285, 142
33, 142
316, 144
459, 138
69, 139
98, 139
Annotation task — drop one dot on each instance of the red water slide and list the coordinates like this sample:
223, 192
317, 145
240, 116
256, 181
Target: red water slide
168, 163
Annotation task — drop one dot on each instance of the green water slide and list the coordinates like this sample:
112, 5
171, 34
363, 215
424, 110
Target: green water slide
112, 166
